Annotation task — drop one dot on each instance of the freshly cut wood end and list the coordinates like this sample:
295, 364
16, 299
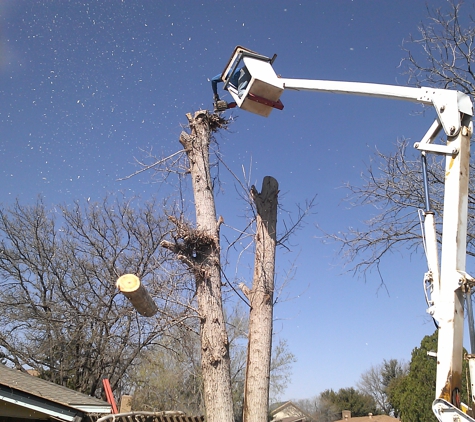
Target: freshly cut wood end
128, 283
130, 286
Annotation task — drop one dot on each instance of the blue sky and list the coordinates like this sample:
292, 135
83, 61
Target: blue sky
86, 86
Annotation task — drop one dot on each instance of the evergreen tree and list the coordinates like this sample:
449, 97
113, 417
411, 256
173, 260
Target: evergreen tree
331, 404
412, 395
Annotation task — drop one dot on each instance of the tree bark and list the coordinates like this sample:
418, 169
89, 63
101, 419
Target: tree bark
200, 249
261, 297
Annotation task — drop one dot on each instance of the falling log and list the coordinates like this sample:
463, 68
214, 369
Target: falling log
135, 291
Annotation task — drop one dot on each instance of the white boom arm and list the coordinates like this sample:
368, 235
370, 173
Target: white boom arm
447, 103
446, 303
447, 287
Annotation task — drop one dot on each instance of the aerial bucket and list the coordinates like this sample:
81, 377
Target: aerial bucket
258, 89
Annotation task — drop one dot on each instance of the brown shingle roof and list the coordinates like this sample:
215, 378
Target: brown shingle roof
374, 418
38, 387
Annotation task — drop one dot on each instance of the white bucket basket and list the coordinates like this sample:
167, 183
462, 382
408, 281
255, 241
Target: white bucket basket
264, 88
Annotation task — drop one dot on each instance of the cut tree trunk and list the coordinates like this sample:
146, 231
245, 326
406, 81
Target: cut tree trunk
261, 297
199, 248
134, 290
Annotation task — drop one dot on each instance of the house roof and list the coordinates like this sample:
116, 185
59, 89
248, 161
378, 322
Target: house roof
279, 407
22, 389
373, 418
288, 412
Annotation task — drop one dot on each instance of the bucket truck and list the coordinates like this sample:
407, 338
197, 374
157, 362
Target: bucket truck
447, 285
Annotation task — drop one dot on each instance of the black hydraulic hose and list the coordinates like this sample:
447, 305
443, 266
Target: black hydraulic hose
426, 183
471, 328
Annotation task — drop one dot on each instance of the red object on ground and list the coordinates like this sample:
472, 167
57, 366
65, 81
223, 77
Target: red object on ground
109, 395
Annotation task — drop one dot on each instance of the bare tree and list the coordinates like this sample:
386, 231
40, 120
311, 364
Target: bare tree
199, 249
261, 299
376, 381
168, 376
309, 406
59, 309
389, 185
442, 56
371, 383
280, 369
443, 53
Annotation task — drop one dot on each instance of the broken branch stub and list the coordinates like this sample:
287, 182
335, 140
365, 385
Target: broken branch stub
134, 290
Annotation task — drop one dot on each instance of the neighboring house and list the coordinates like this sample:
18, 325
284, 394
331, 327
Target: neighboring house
289, 412
346, 417
26, 398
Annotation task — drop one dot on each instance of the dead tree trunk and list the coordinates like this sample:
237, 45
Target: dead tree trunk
199, 248
261, 297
